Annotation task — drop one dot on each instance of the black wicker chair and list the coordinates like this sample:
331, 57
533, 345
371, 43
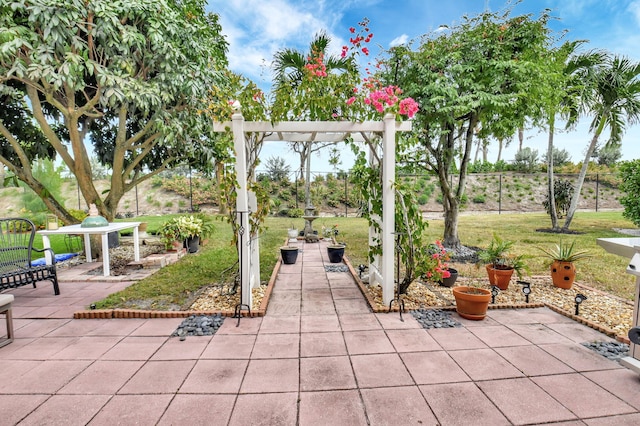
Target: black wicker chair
16, 248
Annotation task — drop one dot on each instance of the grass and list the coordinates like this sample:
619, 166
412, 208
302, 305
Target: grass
177, 284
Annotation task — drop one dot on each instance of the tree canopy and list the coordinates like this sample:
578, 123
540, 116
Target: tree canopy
480, 78
127, 78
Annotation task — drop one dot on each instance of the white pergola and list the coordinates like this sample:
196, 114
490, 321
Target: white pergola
381, 271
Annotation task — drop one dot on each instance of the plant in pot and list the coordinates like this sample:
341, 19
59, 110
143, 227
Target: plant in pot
500, 264
472, 302
335, 250
563, 256
292, 232
437, 268
289, 254
191, 229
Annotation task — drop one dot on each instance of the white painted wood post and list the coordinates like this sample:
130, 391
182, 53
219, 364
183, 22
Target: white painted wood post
388, 207
254, 266
242, 205
374, 234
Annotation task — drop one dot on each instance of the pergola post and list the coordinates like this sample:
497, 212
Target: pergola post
242, 207
388, 206
374, 234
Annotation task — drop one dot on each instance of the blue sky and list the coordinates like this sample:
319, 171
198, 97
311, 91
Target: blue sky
256, 29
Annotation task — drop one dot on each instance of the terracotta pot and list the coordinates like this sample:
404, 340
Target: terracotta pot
563, 274
472, 302
499, 277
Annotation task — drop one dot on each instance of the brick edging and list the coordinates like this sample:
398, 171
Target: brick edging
620, 338
147, 314
138, 313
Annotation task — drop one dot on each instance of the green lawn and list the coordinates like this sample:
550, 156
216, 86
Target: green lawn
178, 283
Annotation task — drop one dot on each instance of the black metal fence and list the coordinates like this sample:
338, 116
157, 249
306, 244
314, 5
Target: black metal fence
334, 193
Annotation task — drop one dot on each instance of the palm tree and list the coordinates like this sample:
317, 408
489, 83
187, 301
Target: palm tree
289, 66
615, 102
569, 95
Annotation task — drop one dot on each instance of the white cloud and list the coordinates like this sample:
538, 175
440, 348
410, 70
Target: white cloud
399, 40
634, 8
256, 29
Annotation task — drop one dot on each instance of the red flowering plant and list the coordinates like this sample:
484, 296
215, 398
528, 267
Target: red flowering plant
435, 266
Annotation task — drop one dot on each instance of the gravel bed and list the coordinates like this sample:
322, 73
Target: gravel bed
336, 268
199, 325
611, 350
601, 308
221, 298
435, 318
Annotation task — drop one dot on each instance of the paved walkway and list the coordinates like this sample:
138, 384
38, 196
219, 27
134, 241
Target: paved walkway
319, 357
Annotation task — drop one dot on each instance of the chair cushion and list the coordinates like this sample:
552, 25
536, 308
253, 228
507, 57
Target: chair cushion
5, 301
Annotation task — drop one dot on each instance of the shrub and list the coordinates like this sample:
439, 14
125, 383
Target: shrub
562, 192
479, 199
630, 175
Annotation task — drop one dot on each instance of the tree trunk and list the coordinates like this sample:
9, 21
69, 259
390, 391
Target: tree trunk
520, 138
583, 173
500, 143
550, 178
307, 184
451, 199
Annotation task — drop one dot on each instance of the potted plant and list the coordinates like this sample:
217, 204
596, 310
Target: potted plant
563, 256
500, 264
436, 268
292, 232
185, 231
289, 254
472, 302
169, 233
335, 252
191, 229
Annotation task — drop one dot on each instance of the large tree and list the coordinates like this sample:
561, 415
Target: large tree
614, 102
124, 78
478, 79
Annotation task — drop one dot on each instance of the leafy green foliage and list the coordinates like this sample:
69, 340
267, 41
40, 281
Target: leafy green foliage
128, 76
478, 79
630, 174
563, 191
526, 160
45, 171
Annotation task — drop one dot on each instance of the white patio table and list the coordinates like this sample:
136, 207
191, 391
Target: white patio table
86, 232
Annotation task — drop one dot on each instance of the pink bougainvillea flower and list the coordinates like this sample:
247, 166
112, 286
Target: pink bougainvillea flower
408, 107
351, 100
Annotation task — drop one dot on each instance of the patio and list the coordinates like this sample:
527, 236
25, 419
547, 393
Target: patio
318, 357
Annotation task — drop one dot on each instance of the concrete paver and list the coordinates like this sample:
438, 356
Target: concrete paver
318, 357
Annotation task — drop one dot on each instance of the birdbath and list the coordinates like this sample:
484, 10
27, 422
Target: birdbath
630, 249
309, 235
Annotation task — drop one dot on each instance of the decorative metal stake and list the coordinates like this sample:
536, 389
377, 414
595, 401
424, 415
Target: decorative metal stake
494, 292
398, 299
526, 289
237, 312
579, 299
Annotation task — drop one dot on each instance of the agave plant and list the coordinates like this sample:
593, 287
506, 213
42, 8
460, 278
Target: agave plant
565, 252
